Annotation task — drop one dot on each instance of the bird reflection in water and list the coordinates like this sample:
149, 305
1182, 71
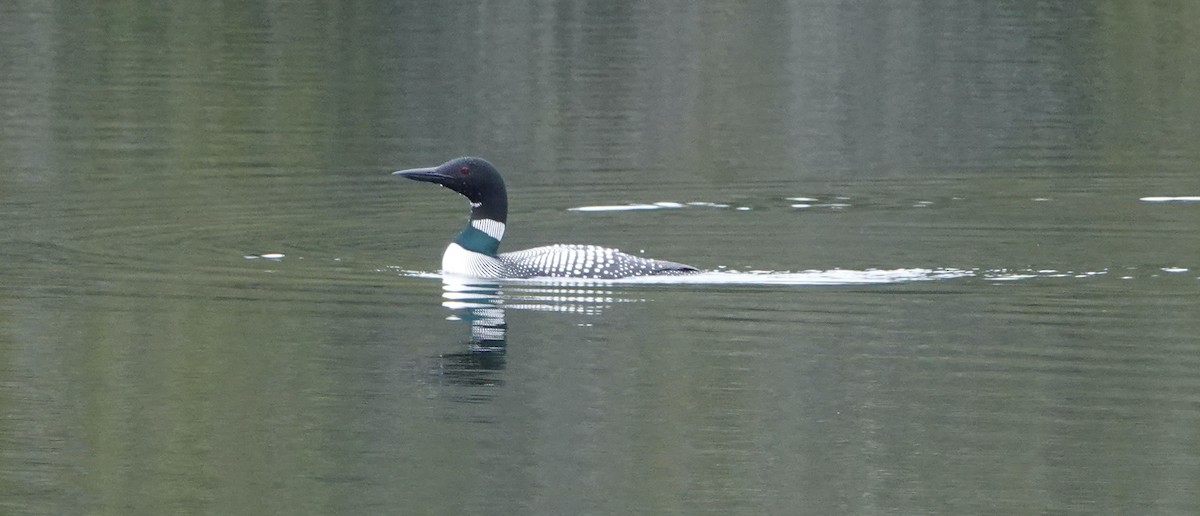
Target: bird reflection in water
479, 304
482, 304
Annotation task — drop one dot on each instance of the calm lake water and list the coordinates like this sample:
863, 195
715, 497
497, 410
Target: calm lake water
951, 255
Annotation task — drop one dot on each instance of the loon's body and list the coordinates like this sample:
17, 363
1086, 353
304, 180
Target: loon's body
474, 252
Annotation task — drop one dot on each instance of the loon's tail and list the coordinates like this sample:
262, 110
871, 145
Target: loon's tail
672, 268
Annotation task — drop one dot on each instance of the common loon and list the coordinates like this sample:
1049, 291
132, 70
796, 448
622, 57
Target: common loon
473, 251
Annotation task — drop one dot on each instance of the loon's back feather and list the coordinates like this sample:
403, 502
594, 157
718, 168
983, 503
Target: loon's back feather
584, 261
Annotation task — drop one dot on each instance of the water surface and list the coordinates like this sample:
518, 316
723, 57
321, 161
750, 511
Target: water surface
949, 253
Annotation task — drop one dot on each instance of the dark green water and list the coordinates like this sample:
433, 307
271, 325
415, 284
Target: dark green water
967, 298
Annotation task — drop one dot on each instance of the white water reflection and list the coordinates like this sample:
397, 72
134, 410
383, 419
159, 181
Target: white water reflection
1186, 198
810, 277
562, 294
482, 304
794, 202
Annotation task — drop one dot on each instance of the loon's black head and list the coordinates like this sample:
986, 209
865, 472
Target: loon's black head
474, 178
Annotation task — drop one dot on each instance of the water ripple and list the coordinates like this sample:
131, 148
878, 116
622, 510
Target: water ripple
832, 277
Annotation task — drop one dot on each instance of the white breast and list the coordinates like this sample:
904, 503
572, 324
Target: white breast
461, 262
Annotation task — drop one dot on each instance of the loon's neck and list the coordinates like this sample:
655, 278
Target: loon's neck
485, 228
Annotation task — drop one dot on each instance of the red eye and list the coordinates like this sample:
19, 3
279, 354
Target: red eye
464, 171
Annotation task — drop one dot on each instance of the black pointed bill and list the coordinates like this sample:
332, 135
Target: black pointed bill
421, 174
